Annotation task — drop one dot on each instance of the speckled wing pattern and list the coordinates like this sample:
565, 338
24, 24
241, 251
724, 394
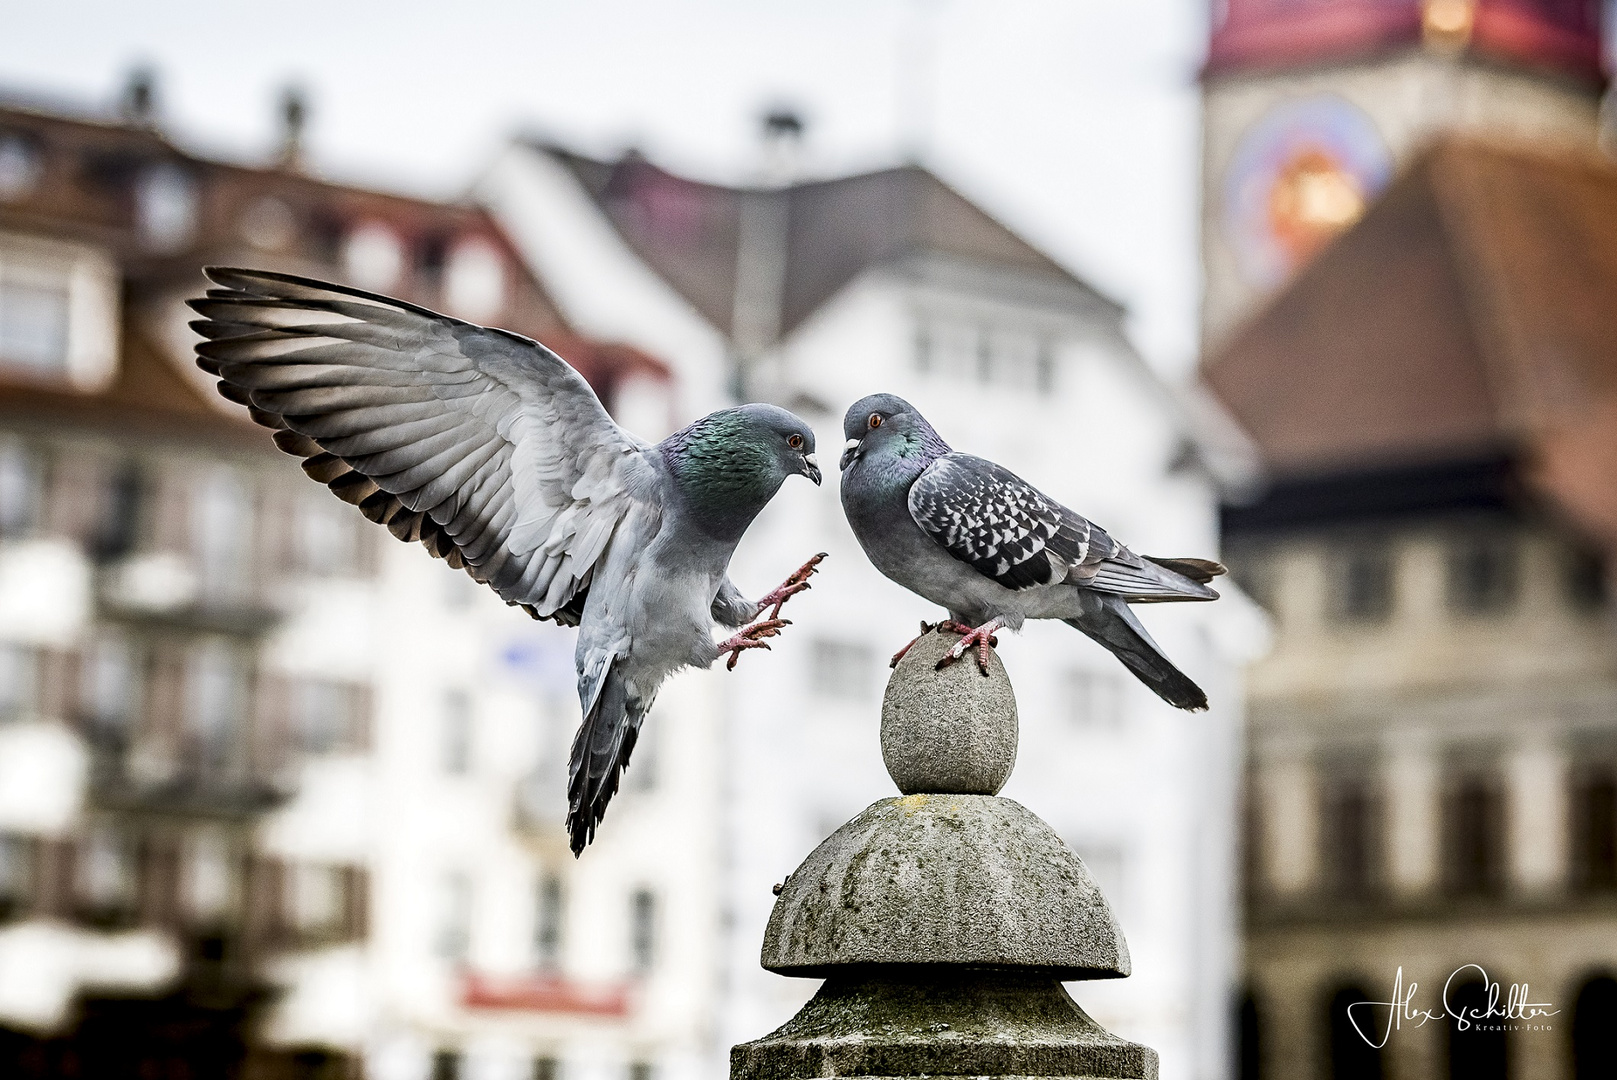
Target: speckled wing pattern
481, 444
985, 515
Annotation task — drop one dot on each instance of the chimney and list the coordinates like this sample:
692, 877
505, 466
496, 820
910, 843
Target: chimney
139, 102
783, 146
294, 116
761, 254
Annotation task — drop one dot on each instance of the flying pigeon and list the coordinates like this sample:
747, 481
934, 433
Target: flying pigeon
497, 456
993, 550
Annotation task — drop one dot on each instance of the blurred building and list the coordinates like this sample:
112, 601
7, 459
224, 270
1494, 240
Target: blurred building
276, 791
812, 294
1432, 760
1310, 108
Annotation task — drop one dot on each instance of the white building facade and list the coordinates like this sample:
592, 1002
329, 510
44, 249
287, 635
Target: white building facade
812, 296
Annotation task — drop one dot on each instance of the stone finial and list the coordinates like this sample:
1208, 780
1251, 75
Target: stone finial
944, 921
947, 880
949, 732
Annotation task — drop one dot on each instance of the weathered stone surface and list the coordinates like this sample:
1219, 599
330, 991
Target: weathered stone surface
941, 880
970, 1023
951, 731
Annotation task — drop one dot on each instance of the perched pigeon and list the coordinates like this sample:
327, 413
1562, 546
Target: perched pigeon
991, 549
496, 455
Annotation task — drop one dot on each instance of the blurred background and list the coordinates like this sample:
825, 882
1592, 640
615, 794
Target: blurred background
1327, 286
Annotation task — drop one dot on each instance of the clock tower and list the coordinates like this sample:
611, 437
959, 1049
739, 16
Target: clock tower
1310, 106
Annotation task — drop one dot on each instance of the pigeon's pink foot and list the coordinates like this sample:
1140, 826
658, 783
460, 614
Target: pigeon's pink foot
926, 628
751, 637
798, 582
980, 636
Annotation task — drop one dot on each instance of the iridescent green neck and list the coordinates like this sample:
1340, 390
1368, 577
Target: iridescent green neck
724, 472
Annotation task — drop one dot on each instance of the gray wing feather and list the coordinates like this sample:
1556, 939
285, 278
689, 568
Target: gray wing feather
985, 515
483, 445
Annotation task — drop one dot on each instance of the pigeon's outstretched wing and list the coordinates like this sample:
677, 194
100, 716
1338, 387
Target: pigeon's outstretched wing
987, 516
483, 445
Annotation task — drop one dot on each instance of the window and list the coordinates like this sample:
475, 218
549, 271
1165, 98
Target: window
474, 284
58, 311
19, 681
955, 349
1584, 580
107, 872
1250, 1033
373, 257
1482, 575
1594, 1036
454, 916
317, 898
1351, 1056
16, 875
446, 1065
456, 747
210, 877
643, 930
842, 670
111, 689
222, 530
33, 322
1045, 374
118, 531
549, 915
1472, 821
1481, 1052
329, 717
1364, 585
1095, 700
216, 702
1349, 820
166, 206
1594, 830
1013, 357
22, 488
21, 165
984, 353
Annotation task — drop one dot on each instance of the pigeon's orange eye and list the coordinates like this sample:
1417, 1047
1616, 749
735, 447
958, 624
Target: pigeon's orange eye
875, 419
795, 442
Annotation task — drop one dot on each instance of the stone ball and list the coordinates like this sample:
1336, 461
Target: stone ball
949, 732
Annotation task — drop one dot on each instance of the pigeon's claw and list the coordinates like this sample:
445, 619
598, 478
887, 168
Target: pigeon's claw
980, 636
751, 637
798, 582
926, 628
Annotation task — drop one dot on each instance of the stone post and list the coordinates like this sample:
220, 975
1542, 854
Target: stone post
944, 921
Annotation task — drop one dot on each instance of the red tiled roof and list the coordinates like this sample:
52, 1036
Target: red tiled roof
1473, 307
688, 231
86, 193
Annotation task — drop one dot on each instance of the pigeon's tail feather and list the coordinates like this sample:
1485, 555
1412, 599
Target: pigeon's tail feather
600, 753
1200, 571
1115, 627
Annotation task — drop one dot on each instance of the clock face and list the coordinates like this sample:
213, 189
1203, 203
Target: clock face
1300, 175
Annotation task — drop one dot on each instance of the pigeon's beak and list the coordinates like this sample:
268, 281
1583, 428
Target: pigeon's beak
811, 469
849, 453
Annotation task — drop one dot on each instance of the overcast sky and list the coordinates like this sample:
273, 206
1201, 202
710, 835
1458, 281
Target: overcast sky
1074, 121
